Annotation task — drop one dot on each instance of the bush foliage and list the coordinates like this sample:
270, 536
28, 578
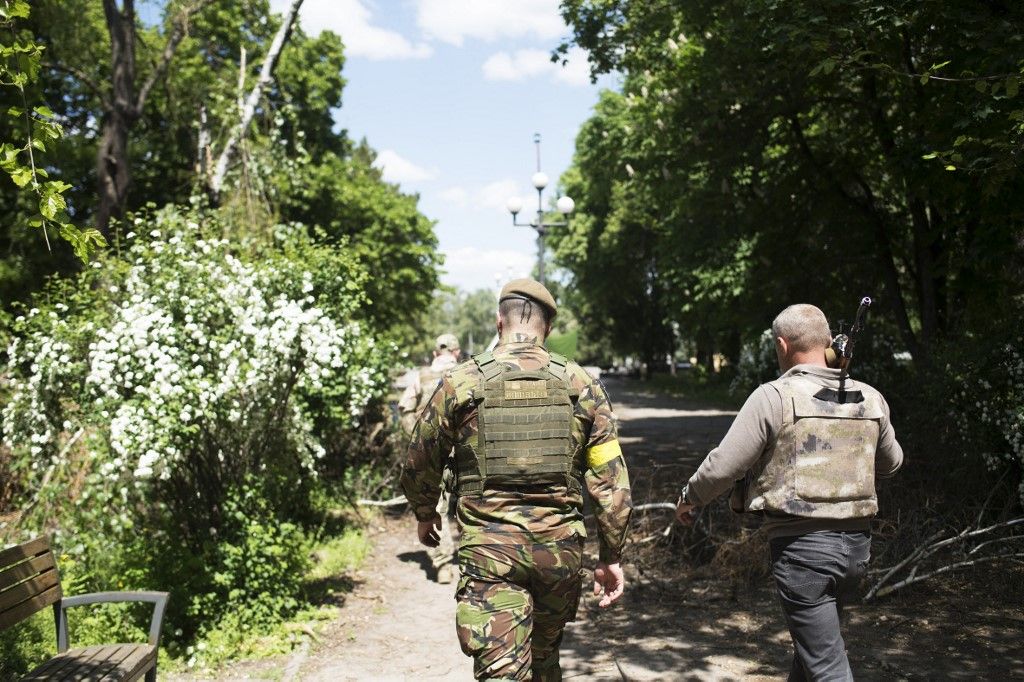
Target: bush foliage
170, 412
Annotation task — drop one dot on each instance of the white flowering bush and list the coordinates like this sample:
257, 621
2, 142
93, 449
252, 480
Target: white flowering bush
170, 383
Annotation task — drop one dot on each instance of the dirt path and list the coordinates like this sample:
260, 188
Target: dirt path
398, 625
675, 622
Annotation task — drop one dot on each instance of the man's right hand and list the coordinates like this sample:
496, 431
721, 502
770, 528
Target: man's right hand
608, 579
429, 531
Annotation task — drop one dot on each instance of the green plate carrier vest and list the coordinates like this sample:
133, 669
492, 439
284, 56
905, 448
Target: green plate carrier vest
524, 428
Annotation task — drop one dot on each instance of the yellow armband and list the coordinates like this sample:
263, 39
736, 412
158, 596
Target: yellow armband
603, 453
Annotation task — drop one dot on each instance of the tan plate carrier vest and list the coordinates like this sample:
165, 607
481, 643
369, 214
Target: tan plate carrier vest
524, 429
429, 380
822, 463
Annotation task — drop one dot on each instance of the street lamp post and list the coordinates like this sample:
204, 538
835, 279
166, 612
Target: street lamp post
565, 206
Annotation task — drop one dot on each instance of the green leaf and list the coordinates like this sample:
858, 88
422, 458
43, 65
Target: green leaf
951, 168
94, 236
925, 78
51, 203
8, 153
21, 176
15, 112
50, 130
44, 111
18, 9
38, 144
1012, 86
825, 66
930, 155
936, 67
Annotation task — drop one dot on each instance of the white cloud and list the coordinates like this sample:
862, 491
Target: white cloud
353, 21
496, 194
505, 66
399, 169
452, 21
523, 64
472, 268
457, 196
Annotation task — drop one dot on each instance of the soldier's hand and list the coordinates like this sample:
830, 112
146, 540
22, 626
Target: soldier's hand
429, 532
609, 580
685, 513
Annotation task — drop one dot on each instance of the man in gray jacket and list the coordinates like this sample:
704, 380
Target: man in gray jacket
804, 455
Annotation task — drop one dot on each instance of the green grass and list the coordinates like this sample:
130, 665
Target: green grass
339, 555
334, 559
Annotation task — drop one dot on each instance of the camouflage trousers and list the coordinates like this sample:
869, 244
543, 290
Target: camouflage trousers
513, 604
442, 556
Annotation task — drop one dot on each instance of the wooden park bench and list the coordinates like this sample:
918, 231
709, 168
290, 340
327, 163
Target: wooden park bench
29, 582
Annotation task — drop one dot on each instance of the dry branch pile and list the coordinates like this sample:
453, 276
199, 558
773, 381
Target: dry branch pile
943, 552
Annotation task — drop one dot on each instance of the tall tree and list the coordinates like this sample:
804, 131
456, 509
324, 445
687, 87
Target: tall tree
124, 104
823, 150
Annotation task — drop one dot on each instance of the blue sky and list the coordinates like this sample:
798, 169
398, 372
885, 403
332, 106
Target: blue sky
450, 93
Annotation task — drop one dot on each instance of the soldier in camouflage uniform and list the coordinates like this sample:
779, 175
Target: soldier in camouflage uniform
423, 381
422, 384
804, 456
530, 431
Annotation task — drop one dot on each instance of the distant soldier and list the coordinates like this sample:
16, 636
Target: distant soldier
423, 381
530, 430
805, 457
422, 384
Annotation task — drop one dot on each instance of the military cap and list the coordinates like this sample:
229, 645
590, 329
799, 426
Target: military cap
447, 341
532, 290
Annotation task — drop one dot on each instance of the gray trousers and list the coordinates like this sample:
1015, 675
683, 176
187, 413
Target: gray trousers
815, 573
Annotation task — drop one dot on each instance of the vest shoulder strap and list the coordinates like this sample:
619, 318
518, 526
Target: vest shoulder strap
559, 359
487, 364
564, 369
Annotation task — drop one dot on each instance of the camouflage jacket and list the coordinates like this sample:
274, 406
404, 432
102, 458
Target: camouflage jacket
517, 517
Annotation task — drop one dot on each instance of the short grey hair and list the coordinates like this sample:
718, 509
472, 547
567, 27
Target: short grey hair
804, 327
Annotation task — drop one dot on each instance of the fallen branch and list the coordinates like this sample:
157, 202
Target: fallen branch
667, 506
393, 502
249, 109
915, 560
914, 578
662, 534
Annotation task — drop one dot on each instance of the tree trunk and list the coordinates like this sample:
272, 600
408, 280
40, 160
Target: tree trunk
868, 205
112, 173
124, 107
924, 266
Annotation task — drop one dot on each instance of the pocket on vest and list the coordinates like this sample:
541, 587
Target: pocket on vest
835, 460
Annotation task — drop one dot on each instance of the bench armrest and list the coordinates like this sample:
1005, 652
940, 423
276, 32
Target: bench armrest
158, 599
